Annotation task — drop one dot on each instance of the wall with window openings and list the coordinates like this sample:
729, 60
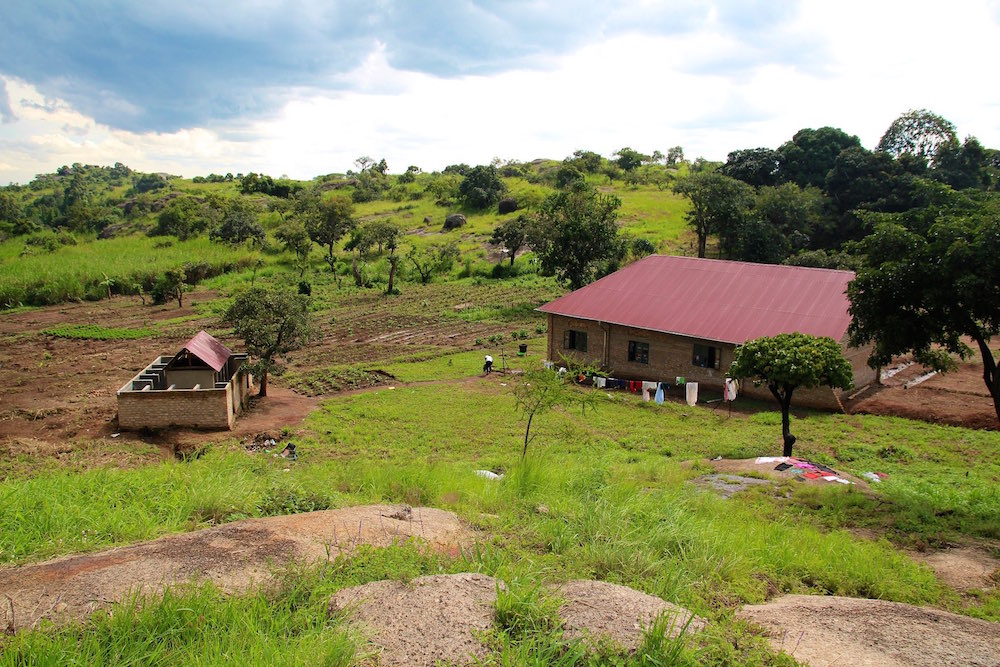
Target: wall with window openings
640, 354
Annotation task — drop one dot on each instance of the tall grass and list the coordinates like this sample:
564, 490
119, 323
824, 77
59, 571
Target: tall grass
76, 272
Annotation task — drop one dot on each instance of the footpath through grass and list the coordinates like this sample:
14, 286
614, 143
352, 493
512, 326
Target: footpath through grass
603, 495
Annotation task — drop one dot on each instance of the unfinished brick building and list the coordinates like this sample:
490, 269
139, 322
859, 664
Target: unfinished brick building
202, 386
666, 317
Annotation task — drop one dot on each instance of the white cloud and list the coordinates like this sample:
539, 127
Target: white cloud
648, 92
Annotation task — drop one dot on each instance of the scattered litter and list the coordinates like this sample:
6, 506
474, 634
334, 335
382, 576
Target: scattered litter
115, 435
391, 387
503, 384
488, 474
289, 452
771, 459
874, 476
718, 458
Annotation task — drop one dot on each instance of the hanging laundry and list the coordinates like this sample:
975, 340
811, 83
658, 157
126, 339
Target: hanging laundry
659, 394
648, 389
601, 382
679, 381
691, 392
548, 365
730, 391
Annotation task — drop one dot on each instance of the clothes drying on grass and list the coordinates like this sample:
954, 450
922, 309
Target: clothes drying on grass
803, 468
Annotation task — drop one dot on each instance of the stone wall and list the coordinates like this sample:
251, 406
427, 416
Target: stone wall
672, 356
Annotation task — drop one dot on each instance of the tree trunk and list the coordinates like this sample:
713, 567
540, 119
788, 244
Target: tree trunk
990, 375
784, 397
180, 297
392, 273
524, 452
512, 253
702, 241
263, 384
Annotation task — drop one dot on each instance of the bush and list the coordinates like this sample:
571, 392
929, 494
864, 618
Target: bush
507, 205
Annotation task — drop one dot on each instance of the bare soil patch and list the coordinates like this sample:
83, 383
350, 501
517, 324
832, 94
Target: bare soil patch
958, 398
426, 621
595, 609
828, 630
235, 556
963, 568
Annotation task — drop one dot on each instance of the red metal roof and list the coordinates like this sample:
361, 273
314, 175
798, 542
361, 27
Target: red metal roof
209, 350
715, 300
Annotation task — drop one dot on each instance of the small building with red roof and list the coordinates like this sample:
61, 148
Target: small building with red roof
665, 317
201, 386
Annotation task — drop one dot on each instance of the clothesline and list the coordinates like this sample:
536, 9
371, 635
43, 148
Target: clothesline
649, 389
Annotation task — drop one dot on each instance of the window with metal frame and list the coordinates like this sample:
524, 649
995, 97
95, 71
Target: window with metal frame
638, 352
575, 340
706, 356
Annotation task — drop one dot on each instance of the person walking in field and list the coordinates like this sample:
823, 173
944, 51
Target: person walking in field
488, 366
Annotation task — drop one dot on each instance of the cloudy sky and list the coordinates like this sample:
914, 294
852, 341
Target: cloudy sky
304, 87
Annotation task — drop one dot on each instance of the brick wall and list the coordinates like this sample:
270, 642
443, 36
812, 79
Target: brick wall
671, 356
202, 408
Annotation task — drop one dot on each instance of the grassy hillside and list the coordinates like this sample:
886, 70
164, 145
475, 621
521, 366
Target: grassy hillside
619, 505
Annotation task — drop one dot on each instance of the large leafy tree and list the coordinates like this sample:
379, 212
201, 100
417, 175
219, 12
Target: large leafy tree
918, 132
788, 361
239, 224
756, 166
482, 187
808, 157
271, 323
328, 221
719, 204
575, 235
931, 281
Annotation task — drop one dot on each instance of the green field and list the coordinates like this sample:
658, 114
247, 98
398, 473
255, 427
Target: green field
621, 507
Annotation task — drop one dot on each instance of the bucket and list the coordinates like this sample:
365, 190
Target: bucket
522, 349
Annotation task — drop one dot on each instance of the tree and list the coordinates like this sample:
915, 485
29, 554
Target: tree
629, 159
482, 187
271, 323
917, 132
808, 157
511, 234
719, 204
788, 361
296, 239
539, 390
755, 166
328, 221
587, 161
182, 218
675, 156
962, 166
432, 259
239, 225
169, 286
575, 235
931, 278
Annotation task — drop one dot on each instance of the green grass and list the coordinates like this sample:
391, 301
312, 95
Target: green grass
76, 272
617, 507
97, 332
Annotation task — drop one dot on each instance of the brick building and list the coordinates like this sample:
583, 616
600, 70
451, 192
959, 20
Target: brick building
666, 317
202, 386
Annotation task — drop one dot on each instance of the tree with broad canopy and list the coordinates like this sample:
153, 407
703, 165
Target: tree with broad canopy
932, 278
271, 323
788, 361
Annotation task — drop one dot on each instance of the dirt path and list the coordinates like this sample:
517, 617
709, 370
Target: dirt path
828, 630
234, 556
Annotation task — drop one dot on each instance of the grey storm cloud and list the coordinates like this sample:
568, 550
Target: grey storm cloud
162, 66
